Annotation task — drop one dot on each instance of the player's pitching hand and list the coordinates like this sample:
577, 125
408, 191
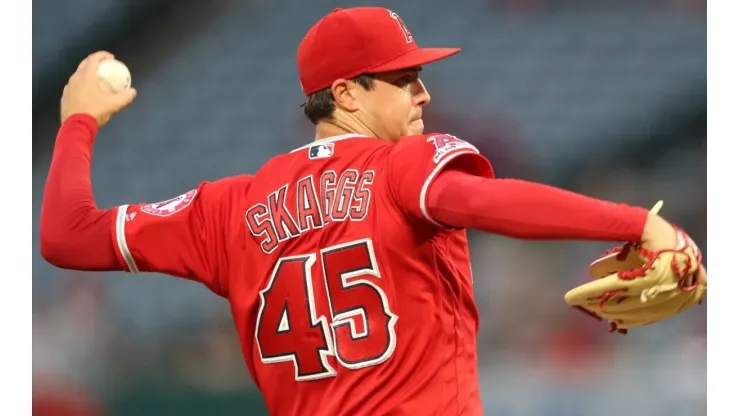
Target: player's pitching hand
84, 94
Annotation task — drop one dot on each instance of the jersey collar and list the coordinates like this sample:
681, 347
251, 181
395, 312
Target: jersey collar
329, 139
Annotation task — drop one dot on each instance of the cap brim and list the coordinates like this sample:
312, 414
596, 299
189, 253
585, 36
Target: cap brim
414, 58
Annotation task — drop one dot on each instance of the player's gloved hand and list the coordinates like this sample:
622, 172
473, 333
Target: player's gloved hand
641, 283
84, 95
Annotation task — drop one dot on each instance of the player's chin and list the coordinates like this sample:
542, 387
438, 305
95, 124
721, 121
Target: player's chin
416, 127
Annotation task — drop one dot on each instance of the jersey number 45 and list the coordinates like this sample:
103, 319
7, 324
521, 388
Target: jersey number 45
360, 329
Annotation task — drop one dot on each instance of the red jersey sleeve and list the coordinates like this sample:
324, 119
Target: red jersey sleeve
416, 161
185, 236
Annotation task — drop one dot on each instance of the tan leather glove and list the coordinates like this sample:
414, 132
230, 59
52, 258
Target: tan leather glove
636, 287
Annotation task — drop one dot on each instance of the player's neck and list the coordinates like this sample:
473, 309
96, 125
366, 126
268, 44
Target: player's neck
325, 129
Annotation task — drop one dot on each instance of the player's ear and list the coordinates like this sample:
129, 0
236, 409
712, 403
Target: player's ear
345, 95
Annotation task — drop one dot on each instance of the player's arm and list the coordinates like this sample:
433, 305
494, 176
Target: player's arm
528, 210
74, 233
184, 237
444, 181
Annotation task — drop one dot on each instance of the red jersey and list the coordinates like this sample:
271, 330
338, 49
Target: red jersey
349, 299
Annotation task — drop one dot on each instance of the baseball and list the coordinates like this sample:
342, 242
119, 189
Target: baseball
114, 75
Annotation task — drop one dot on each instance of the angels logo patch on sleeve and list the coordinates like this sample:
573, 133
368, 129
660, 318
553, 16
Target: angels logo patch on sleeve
445, 144
170, 206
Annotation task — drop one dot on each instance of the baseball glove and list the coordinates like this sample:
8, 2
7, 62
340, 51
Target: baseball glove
636, 287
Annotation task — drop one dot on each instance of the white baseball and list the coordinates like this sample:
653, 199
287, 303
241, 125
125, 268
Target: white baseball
114, 75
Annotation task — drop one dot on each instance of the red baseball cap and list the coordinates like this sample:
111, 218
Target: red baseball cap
361, 40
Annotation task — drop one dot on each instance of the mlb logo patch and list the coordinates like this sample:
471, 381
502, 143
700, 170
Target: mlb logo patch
321, 151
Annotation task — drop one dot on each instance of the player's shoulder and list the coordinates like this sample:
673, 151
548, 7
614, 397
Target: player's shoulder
228, 188
437, 144
207, 195
430, 139
229, 183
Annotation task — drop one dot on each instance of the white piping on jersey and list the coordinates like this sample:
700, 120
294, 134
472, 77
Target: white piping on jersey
121, 239
435, 171
329, 139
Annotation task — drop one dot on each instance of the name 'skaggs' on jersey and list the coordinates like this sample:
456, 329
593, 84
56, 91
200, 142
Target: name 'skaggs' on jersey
348, 297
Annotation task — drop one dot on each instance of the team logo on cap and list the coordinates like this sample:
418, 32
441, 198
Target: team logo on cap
405, 30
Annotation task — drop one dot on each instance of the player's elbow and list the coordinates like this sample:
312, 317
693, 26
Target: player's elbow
60, 253
54, 242
49, 241
79, 242
52, 248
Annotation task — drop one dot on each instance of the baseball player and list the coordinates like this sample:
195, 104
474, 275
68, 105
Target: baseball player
345, 261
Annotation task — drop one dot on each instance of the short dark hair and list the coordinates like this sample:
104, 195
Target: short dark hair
320, 105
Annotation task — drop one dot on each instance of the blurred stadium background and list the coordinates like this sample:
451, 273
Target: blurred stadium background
604, 97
